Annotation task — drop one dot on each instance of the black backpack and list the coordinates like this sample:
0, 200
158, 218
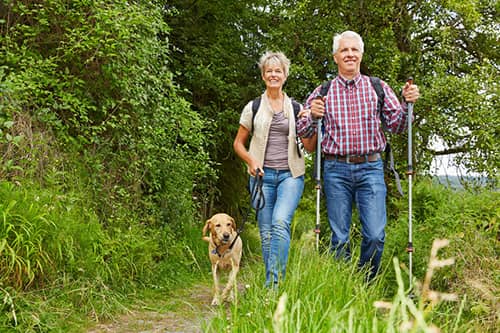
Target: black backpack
296, 110
389, 158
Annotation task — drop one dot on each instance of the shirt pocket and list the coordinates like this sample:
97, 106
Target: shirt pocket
369, 107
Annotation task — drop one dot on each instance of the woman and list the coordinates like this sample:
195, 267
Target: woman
273, 151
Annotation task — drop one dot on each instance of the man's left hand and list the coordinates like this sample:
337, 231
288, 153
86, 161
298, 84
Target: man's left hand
410, 93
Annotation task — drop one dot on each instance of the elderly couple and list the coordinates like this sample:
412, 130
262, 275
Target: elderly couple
352, 144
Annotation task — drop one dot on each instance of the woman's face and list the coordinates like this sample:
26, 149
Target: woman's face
274, 75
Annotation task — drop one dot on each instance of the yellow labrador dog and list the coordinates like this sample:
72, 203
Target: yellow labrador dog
224, 251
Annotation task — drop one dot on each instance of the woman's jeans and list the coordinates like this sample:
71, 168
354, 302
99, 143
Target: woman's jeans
282, 193
363, 184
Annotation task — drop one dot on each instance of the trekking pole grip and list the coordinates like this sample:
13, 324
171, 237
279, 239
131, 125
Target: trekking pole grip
409, 81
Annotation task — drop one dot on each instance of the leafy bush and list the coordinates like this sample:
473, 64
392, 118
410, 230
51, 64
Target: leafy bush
95, 75
105, 156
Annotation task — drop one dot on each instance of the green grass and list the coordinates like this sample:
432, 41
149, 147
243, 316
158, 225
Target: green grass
89, 273
321, 294
60, 267
456, 288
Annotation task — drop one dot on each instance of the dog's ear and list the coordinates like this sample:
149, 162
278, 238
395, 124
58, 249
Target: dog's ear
205, 229
233, 223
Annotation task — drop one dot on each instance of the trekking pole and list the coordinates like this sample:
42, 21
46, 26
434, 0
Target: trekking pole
319, 136
409, 172
318, 182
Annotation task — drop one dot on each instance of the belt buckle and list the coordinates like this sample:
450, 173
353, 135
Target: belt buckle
355, 159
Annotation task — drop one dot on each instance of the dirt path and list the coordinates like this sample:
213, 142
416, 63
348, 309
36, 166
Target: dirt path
185, 312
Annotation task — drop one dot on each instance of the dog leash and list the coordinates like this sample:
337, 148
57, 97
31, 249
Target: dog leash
257, 196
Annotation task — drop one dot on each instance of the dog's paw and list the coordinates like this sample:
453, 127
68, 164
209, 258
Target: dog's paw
230, 298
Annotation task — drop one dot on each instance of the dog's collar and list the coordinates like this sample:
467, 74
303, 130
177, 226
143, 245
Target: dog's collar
217, 252
226, 247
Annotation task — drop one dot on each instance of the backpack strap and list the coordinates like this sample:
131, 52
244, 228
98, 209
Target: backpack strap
389, 158
388, 155
296, 110
255, 108
380, 97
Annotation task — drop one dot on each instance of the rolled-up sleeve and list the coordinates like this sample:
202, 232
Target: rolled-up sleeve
395, 114
306, 126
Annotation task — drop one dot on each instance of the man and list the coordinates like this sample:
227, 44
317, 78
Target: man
352, 144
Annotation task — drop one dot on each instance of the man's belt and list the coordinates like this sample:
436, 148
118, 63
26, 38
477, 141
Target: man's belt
354, 159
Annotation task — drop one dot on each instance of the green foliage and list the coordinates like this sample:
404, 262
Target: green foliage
95, 74
105, 154
471, 131
44, 234
217, 45
48, 241
116, 127
449, 47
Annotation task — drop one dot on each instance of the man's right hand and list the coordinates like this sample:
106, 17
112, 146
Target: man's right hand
318, 107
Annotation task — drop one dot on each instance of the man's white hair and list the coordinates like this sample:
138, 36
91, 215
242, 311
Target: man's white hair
347, 34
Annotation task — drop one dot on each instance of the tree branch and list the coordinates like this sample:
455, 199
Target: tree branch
448, 151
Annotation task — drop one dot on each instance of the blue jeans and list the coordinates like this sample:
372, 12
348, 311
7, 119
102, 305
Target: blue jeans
364, 185
282, 194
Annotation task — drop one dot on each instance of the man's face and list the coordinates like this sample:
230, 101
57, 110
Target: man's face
348, 57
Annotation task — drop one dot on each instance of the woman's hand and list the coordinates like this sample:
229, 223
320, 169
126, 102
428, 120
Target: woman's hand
253, 167
304, 113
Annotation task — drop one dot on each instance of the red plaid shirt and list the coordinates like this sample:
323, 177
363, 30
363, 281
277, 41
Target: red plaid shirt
351, 123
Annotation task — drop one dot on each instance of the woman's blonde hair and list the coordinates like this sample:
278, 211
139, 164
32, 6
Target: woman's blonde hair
274, 57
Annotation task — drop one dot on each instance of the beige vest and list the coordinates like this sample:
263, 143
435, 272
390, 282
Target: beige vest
262, 122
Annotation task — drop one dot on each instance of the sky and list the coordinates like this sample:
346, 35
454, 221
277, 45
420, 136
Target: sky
443, 165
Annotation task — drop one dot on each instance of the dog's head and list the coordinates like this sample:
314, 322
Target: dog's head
222, 229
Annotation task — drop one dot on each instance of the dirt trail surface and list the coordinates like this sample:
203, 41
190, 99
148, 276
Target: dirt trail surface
184, 312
